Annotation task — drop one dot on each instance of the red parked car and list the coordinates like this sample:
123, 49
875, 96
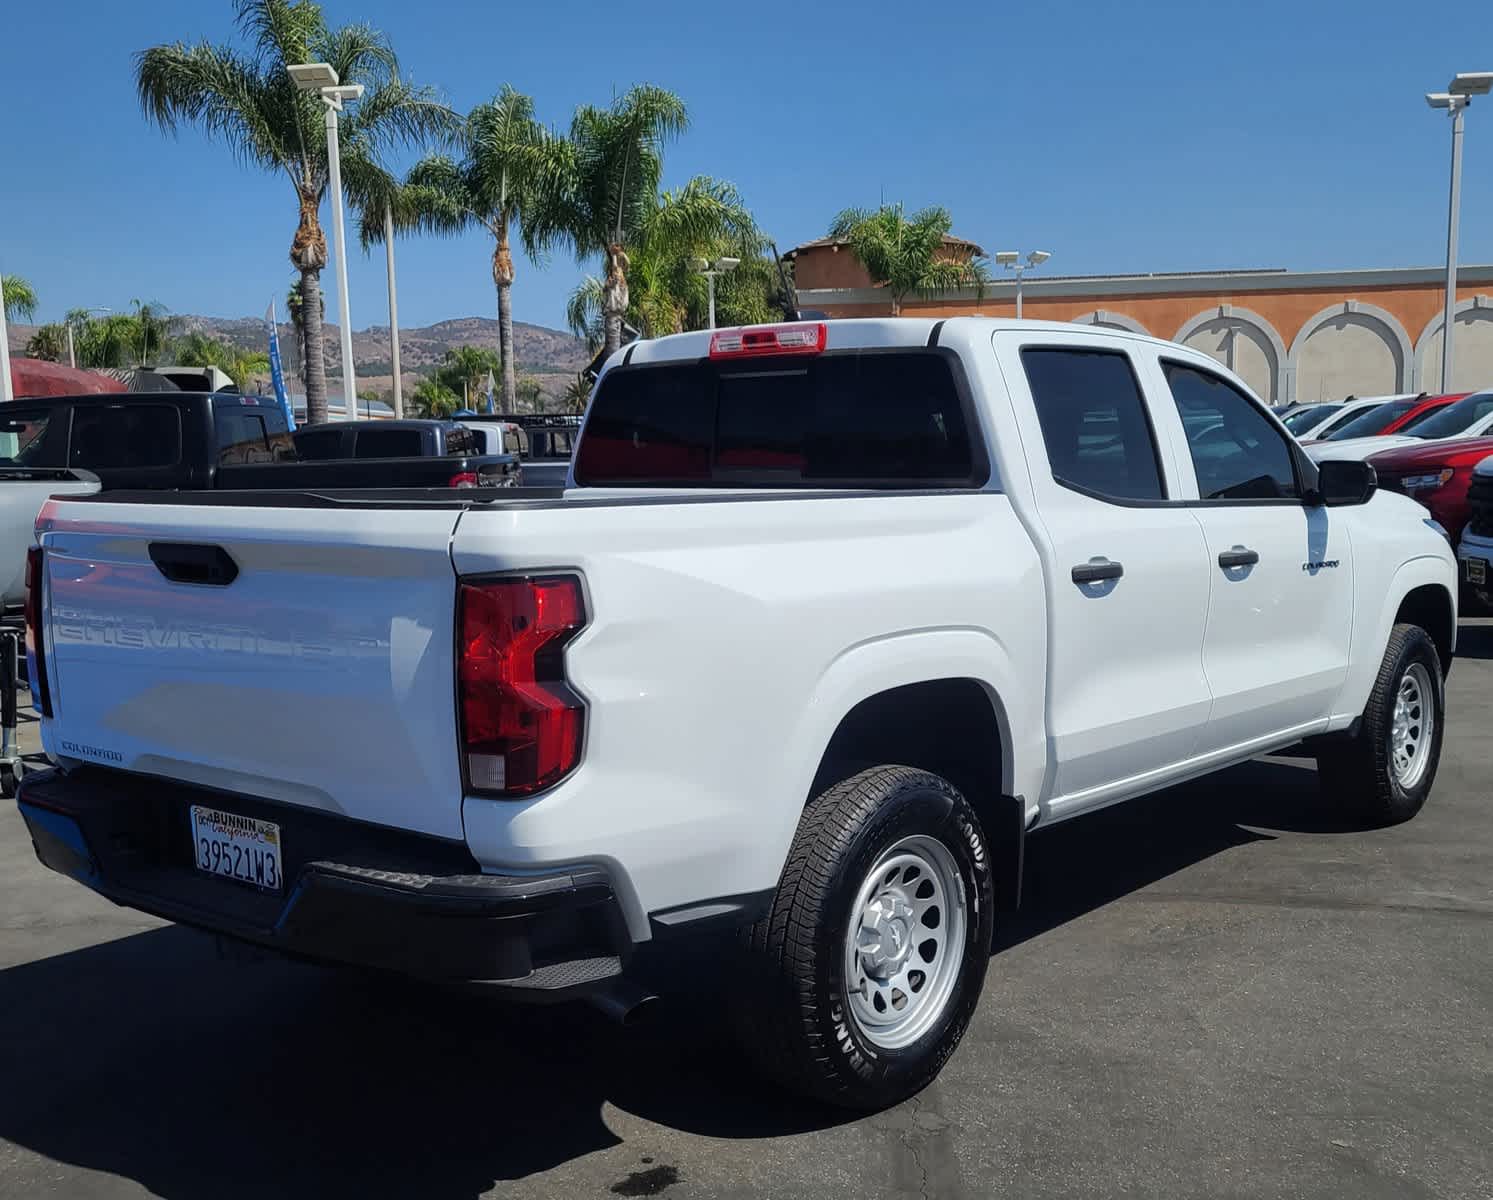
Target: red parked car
1437, 474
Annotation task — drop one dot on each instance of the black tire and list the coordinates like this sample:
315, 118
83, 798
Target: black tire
793, 1014
1358, 773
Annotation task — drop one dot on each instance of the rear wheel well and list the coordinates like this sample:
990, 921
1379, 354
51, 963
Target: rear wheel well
951, 728
1430, 606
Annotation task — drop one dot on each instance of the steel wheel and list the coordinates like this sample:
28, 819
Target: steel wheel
905, 944
1412, 726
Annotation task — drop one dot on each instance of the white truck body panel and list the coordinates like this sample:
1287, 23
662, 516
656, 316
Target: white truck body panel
322, 677
731, 633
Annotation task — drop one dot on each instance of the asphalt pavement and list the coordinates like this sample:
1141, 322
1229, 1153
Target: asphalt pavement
1220, 991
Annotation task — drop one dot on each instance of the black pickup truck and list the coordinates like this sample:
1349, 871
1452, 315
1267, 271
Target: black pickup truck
198, 441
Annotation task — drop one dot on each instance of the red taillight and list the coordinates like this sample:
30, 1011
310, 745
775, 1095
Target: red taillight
769, 339
521, 724
463, 479
41, 694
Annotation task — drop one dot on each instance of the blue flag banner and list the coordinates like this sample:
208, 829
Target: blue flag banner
491, 383
277, 372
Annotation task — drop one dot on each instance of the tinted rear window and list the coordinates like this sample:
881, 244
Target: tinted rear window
1454, 418
387, 443
28, 438
854, 418
319, 444
1304, 418
1375, 421
131, 435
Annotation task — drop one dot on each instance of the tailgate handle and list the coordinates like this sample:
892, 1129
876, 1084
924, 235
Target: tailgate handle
188, 562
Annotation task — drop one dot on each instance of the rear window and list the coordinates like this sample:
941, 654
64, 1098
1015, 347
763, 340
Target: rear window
1373, 422
891, 418
125, 436
387, 443
460, 441
1303, 419
27, 439
251, 435
1454, 418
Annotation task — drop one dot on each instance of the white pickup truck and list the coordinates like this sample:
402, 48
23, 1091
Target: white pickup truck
829, 619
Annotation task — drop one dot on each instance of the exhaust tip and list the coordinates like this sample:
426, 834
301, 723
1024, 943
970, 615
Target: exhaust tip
623, 1003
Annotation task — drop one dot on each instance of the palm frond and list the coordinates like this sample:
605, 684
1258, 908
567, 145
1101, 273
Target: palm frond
282, 31
213, 87
17, 297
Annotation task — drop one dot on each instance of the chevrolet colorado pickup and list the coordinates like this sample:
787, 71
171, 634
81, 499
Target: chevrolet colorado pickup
829, 619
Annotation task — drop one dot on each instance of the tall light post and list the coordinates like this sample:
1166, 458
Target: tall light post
321, 78
393, 311
710, 270
1011, 260
72, 358
6, 392
1455, 100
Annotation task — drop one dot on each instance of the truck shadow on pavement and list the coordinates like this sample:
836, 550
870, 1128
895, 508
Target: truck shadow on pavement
152, 1058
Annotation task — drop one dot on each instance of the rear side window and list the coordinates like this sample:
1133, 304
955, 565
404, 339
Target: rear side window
247, 435
1094, 423
1372, 422
460, 441
868, 419
28, 439
387, 443
124, 436
319, 444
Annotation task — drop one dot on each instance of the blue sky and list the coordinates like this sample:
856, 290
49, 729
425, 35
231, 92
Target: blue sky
1122, 137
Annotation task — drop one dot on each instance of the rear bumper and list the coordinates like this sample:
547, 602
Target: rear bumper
355, 893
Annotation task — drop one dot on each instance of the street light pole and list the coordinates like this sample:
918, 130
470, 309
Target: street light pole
6, 392
334, 181
393, 313
1455, 100
710, 270
321, 79
1011, 260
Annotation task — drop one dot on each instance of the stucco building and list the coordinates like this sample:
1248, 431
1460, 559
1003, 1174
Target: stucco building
1292, 335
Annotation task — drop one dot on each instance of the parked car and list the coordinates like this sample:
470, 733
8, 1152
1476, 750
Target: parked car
22, 493
195, 440
1468, 415
1307, 417
1391, 417
1476, 547
1437, 474
1352, 409
465, 459
835, 615
548, 441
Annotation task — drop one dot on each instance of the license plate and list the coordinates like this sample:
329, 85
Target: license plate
236, 847
1477, 570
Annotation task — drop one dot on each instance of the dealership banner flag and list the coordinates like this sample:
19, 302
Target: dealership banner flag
277, 372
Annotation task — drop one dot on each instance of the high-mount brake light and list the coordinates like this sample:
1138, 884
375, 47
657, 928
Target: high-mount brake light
769, 339
521, 724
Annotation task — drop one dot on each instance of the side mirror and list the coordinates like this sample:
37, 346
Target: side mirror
1342, 482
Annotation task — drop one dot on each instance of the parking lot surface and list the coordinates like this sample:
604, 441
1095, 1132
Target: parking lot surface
1218, 991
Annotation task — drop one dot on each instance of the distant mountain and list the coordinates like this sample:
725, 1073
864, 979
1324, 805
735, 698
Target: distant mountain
550, 355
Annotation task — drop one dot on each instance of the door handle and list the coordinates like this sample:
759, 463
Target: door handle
1238, 557
1097, 572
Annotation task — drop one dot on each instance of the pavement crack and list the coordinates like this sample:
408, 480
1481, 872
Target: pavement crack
909, 1143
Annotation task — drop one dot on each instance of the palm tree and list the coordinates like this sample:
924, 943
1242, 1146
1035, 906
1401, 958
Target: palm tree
704, 219
464, 371
246, 100
601, 198
18, 297
240, 365
434, 399
577, 394
48, 342
507, 162
908, 256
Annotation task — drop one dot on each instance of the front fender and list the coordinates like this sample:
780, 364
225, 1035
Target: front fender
1371, 631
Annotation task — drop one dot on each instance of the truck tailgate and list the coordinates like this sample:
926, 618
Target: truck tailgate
301, 654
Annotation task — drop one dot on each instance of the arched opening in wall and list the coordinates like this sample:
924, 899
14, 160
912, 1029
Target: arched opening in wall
1243, 348
1107, 319
1472, 354
1349, 354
